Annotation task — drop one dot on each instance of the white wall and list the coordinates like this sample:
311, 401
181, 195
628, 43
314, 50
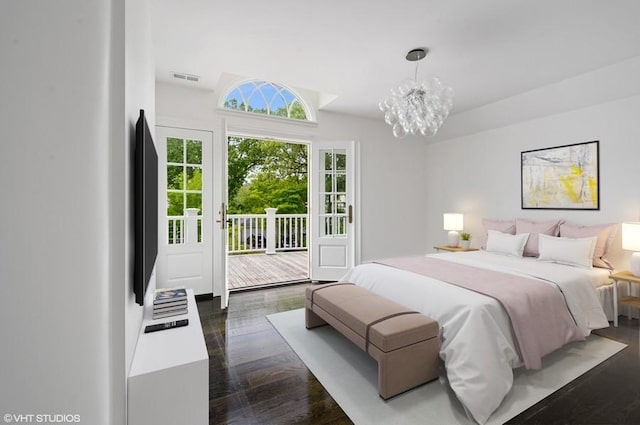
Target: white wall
479, 174
139, 93
65, 250
392, 175
54, 180
616, 81
393, 204
186, 103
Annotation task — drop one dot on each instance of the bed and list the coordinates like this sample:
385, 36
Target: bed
478, 349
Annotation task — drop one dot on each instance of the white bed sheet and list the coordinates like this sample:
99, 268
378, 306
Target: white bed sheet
477, 345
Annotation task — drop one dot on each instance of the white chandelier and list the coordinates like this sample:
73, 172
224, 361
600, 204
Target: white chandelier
417, 107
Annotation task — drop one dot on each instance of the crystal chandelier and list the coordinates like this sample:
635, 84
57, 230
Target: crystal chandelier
417, 107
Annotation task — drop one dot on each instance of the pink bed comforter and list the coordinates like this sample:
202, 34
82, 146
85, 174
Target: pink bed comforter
539, 316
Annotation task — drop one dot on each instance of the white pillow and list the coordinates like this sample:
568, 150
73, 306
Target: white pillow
572, 252
504, 243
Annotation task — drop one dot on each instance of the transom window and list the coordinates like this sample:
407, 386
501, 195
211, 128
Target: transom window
262, 97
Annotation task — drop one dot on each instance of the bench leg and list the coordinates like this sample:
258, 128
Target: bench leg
408, 367
312, 320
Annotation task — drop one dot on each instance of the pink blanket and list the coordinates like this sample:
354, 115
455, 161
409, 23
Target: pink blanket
539, 316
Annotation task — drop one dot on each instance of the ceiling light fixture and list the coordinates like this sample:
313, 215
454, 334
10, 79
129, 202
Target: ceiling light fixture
417, 107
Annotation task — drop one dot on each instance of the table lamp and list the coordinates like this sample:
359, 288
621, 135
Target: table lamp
631, 242
453, 222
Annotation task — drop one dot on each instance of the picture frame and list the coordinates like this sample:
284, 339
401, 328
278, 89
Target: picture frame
561, 178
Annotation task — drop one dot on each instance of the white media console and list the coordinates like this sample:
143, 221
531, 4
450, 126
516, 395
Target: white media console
169, 378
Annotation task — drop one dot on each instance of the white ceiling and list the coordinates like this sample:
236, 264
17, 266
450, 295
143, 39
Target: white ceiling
355, 49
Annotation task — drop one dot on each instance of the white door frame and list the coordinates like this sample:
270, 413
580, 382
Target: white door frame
218, 185
221, 234
241, 128
235, 123
187, 263
332, 255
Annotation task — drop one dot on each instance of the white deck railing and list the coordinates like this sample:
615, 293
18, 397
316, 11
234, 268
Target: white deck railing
268, 233
184, 229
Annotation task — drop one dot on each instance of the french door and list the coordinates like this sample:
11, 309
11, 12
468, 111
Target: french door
185, 222
192, 245
333, 209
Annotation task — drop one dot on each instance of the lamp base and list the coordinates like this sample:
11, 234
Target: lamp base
635, 264
454, 238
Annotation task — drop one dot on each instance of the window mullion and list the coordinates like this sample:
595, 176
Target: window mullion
257, 88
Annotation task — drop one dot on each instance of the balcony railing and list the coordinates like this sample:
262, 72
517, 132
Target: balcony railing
267, 233
184, 229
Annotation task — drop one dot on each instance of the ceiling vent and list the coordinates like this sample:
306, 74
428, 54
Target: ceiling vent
185, 77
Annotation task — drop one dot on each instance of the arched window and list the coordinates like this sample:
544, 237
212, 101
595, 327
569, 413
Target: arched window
262, 97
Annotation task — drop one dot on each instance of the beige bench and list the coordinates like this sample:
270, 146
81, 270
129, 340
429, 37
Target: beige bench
403, 342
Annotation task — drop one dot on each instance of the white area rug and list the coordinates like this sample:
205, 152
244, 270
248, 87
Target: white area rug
350, 376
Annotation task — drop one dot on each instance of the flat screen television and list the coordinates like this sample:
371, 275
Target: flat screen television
145, 208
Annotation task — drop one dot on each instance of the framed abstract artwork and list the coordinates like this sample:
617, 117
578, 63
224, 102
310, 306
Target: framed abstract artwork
561, 178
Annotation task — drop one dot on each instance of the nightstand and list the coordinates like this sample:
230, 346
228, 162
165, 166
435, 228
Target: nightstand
453, 248
629, 301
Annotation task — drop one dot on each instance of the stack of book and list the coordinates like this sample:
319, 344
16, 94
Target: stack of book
169, 302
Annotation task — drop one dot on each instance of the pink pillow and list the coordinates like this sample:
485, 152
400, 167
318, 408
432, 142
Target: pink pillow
551, 228
605, 233
504, 226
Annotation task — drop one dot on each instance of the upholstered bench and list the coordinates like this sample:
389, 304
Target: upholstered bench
403, 342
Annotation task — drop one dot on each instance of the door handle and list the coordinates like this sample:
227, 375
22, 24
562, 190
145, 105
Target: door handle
222, 216
350, 214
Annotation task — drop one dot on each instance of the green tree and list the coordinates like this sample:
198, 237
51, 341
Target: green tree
297, 111
289, 195
243, 157
176, 200
184, 174
267, 174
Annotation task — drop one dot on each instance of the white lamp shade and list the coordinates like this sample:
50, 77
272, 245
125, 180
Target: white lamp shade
634, 264
453, 221
631, 242
631, 236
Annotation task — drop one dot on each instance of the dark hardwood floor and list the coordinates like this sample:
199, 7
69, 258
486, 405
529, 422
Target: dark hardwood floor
255, 378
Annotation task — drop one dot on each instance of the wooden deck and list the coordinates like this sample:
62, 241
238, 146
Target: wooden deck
253, 270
